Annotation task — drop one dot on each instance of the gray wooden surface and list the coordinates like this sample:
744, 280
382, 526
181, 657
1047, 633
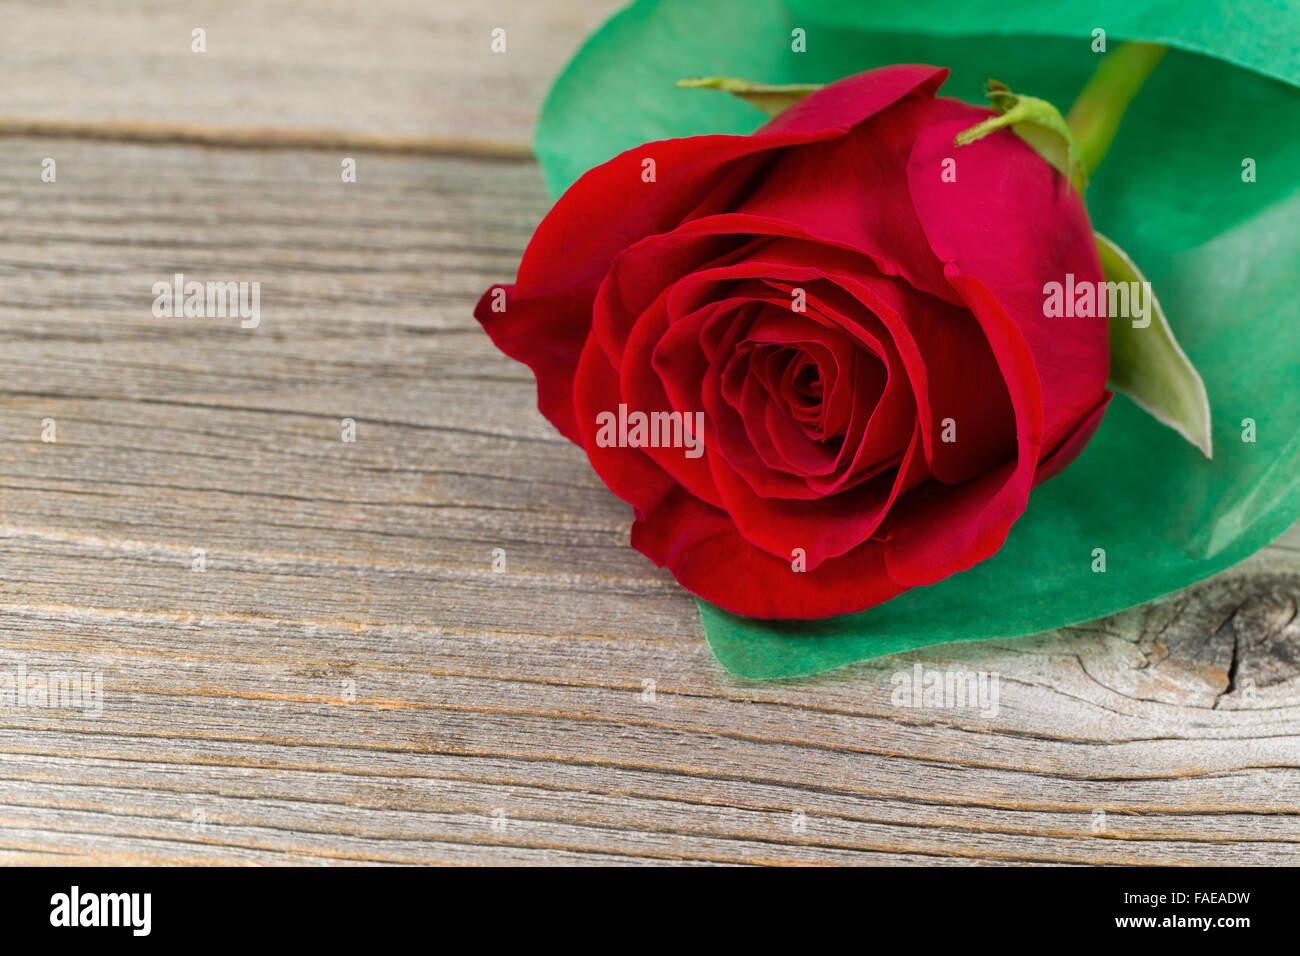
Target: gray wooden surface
348, 680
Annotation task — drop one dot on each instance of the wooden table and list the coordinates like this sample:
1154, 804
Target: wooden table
306, 654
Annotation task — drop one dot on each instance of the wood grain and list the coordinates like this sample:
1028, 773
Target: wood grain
406, 71
349, 681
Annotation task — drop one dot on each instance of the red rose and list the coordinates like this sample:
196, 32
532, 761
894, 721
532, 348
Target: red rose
861, 336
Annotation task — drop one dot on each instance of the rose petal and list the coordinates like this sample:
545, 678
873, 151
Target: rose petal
938, 530
1013, 223
706, 554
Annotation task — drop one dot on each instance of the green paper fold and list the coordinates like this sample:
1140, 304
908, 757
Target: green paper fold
1259, 35
1222, 254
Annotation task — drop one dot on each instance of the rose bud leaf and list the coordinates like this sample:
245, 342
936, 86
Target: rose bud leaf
1146, 362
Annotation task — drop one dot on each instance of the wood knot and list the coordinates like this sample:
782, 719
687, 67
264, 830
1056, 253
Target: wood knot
1266, 635
1230, 643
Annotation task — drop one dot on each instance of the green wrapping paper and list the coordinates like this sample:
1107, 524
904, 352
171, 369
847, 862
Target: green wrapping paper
1223, 255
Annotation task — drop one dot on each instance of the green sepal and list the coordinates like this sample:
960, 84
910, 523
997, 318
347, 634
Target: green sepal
1038, 123
771, 98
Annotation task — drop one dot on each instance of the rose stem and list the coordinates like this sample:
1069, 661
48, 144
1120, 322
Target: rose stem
1096, 114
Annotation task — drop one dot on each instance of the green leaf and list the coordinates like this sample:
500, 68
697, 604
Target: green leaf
771, 98
1146, 362
1038, 123
1222, 252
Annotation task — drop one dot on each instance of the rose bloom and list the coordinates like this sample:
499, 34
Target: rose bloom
853, 309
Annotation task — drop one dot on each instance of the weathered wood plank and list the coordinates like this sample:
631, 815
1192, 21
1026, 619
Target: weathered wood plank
402, 71
349, 681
